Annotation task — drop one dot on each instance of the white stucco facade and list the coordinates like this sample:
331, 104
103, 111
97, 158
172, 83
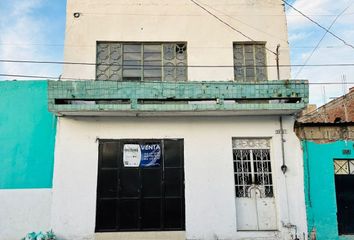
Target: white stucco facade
209, 177
24, 210
210, 206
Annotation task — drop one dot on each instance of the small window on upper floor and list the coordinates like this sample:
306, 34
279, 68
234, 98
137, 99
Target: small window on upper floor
250, 62
118, 61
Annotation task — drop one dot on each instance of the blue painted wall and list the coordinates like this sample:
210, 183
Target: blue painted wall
320, 186
27, 135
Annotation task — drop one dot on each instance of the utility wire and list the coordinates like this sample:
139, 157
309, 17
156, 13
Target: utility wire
319, 25
244, 23
30, 76
227, 24
89, 46
91, 79
177, 66
197, 15
324, 35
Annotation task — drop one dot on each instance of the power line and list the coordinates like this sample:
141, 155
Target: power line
91, 79
177, 66
44, 77
324, 35
227, 24
30, 76
198, 15
319, 25
328, 47
89, 46
234, 18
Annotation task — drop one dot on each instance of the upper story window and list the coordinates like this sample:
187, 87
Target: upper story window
118, 61
250, 62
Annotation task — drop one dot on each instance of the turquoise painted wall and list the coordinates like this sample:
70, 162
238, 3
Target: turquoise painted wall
27, 135
320, 186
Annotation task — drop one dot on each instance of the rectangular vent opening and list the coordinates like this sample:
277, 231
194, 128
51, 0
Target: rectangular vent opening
174, 101
92, 101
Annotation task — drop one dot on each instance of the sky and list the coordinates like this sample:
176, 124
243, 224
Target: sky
304, 36
34, 30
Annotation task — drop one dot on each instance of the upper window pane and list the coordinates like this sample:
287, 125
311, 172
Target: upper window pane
344, 167
152, 47
132, 48
129, 56
141, 61
152, 56
250, 62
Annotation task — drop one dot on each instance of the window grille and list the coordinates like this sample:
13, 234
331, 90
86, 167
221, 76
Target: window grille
344, 167
250, 62
252, 167
141, 61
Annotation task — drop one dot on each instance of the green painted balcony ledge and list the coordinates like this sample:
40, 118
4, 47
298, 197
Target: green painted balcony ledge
111, 98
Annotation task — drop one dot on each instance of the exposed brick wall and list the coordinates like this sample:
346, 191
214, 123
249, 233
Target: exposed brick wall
324, 134
340, 109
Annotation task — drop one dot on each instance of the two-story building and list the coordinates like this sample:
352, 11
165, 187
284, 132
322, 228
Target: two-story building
175, 123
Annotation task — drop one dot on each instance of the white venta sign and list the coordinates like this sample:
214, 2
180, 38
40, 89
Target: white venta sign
131, 155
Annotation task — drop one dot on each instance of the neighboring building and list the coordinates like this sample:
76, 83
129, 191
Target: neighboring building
27, 137
176, 132
338, 110
328, 148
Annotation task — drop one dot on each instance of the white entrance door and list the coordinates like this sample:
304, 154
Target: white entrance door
255, 203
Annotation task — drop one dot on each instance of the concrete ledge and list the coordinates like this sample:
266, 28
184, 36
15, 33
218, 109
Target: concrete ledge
99, 98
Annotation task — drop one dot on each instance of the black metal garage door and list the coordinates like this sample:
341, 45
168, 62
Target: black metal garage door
146, 197
344, 179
